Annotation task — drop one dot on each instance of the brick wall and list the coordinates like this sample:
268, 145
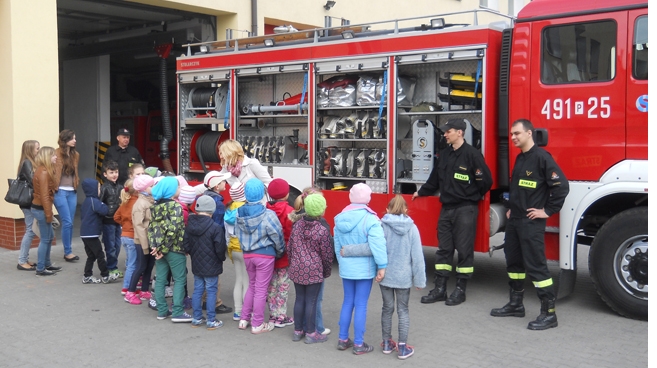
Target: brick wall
11, 233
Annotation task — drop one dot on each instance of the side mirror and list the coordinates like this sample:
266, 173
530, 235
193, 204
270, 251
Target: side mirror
541, 137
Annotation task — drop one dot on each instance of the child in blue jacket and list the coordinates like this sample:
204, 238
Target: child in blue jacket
92, 213
358, 224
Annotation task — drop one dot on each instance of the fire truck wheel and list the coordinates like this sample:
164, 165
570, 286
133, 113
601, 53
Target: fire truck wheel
618, 263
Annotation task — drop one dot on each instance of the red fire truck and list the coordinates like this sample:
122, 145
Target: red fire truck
332, 107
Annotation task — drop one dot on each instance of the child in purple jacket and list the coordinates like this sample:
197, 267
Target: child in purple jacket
310, 251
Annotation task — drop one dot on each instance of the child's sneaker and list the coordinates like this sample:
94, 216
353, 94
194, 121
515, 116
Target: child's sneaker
168, 292
326, 331
243, 324
237, 316
362, 349
213, 325
165, 316
124, 291
132, 298
405, 351
345, 344
264, 327
152, 304
187, 303
109, 279
118, 274
198, 322
90, 280
315, 337
183, 318
388, 346
298, 335
283, 321
145, 295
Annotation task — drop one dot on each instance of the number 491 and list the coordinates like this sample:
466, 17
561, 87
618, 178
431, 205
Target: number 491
558, 108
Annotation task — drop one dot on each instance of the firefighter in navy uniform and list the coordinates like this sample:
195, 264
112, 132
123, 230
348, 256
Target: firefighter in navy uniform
463, 178
538, 189
124, 154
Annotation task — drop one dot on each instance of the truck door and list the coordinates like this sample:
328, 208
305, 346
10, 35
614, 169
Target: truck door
637, 85
578, 90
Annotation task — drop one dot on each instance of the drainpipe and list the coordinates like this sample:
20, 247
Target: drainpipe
254, 18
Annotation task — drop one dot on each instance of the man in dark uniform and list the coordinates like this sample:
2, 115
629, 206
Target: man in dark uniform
538, 189
463, 178
124, 154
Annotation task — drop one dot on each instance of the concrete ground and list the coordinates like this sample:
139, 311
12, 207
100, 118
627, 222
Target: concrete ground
59, 322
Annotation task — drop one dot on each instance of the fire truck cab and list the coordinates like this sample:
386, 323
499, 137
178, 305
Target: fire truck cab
331, 107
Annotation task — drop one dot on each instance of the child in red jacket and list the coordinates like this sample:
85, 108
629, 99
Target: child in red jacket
279, 191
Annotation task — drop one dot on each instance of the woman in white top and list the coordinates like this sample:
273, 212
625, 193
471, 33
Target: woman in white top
241, 167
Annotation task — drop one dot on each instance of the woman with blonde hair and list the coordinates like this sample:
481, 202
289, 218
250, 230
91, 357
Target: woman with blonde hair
241, 167
26, 172
45, 186
66, 178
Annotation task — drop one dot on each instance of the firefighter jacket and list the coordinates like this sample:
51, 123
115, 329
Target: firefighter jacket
461, 175
536, 182
125, 157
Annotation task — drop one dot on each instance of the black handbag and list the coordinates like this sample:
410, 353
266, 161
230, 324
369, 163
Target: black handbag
19, 192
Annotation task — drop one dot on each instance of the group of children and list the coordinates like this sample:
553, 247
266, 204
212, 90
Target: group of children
161, 220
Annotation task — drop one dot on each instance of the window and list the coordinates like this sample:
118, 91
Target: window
640, 49
515, 6
491, 4
576, 53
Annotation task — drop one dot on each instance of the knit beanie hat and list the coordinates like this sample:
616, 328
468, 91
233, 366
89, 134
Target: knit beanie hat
278, 189
315, 205
200, 189
165, 188
237, 193
152, 171
205, 204
182, 182
254, 190
187, 195
213, 178
141, 182
360, 193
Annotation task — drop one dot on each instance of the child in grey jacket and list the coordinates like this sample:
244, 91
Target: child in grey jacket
405, 269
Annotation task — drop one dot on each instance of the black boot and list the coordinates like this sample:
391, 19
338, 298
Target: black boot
513, 308
547, 318
458, 295
438, 293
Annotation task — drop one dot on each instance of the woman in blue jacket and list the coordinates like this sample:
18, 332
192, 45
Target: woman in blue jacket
358, 224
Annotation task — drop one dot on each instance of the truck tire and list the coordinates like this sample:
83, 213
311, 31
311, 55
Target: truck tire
618, 263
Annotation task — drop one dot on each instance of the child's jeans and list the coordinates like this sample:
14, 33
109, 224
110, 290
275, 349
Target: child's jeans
260, 270
130, 260
356, 294
277, 292
305, 307
209, 285
388, 295
319, 319
112, 241
173, 263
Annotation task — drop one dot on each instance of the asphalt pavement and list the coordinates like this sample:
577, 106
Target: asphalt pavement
60, 322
